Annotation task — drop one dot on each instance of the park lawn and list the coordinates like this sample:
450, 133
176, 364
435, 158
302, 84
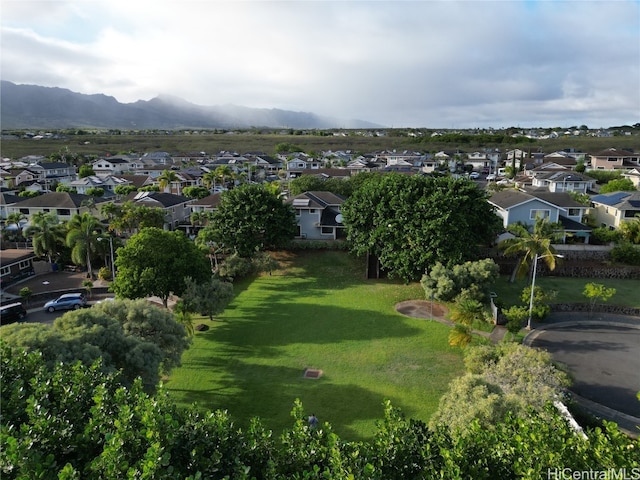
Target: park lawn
317, 311
569, 289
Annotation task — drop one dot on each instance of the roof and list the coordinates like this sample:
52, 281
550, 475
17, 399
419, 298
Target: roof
9, 199
58, 200
564, 176
164, 199
56, 165
316, 199
560, 199
13, 255
212, 200
573, 226
620, 200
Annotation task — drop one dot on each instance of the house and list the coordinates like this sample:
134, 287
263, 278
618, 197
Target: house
57, 172
516, 206
116, 165
613, 159
107, 183
15, 264
177, 208
563, 181
7, 199
318, 215
64, 204
611, 209
201, 207
634, 176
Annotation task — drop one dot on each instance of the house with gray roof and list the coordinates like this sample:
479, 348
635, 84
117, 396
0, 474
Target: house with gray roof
176, 207
612, 209
64, 204
318, 215
517, 206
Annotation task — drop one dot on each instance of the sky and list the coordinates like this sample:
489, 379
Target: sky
430, 64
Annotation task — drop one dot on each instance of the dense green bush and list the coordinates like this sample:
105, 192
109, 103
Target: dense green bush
625, 252
74, 421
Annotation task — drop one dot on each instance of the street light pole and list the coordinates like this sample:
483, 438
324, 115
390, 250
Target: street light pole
533, 284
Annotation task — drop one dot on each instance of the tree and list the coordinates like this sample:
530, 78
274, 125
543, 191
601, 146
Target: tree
412, 222
209, 179
25, 294
17, 219
81, 237
595, 292
530, 244
85, 170
618, 185
47, 234
166, 179
195, 192
131, 217
155, 262
223, 173
250, 219
123, 190
470, 280
207, 298
630, 230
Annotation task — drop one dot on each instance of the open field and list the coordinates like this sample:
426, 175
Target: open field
318, 312
100, 144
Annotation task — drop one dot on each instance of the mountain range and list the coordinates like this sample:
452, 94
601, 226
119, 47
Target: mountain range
33, 106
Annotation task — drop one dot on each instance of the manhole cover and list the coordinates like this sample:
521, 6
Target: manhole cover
312, 373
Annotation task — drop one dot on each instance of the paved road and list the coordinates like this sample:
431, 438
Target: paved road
604, 361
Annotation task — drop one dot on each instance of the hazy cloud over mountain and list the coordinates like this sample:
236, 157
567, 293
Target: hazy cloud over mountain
431, 64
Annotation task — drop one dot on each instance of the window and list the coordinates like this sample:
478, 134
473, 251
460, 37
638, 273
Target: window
326, 230
574, 212
24, 211
539, 213
312, 210
5, 271
63, 212
631, 213
24, 264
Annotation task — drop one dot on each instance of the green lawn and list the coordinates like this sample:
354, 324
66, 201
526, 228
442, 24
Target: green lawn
318, 312
570, 289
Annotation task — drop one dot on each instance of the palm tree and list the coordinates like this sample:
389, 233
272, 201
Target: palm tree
16, 218
81, 237
530, 244
166, 179
209, 180
223, 173
47, 234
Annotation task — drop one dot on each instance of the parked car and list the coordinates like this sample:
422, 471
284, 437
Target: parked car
491, 177
68, 301
14, 312
474, 175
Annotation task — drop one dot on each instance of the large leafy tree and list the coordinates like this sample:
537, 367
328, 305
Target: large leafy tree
412, 222
155, 262
532, 241
618, 185
250, 219
47, 234
82, 235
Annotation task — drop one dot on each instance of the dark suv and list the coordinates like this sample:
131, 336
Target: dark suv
12, 313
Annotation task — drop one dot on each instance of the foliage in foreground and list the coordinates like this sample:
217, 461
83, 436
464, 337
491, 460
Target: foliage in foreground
75, 421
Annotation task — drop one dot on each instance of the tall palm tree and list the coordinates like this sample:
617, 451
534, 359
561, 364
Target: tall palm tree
223, 173
166, 179
81, 238
47, 234
209, 180
529, 244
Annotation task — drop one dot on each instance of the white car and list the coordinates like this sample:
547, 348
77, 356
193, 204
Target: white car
474, 175
491, 177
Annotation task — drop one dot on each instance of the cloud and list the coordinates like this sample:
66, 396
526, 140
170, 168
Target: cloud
434, 64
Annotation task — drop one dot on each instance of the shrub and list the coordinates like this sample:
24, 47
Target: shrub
104, 274
516, 316
625, 252
604, 235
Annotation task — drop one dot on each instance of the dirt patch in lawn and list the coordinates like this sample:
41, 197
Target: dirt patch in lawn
422, 309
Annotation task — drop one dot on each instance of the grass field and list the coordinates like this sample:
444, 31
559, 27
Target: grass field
317, 311
570, 289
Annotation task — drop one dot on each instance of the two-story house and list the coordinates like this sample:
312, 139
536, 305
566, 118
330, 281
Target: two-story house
563, 181
611, 209
613, 159
176, 207
517, 206
318, 215
64, 204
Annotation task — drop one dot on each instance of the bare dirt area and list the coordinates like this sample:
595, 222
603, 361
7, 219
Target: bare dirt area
422, 309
